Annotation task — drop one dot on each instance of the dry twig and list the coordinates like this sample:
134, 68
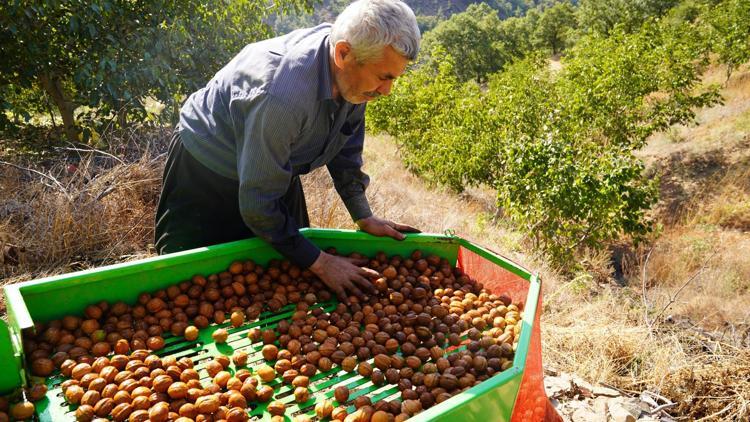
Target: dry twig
46, 176
674, 296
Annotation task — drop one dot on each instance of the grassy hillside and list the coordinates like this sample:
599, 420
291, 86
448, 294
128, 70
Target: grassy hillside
672, 317
695, 276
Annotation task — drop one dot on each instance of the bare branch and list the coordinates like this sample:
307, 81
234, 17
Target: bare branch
644, 294
662, 407
76, 149
674, 296
46, 176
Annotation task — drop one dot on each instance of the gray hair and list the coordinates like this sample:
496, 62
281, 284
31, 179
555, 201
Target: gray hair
371, 25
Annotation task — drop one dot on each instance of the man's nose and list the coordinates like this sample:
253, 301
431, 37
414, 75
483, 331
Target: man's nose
385, 87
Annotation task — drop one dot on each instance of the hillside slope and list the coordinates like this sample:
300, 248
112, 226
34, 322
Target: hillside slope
676, 324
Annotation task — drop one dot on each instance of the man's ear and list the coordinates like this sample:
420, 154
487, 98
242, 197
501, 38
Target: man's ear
342, 53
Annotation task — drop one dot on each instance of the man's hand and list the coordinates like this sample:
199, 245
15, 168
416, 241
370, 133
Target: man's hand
344, 275
381, 227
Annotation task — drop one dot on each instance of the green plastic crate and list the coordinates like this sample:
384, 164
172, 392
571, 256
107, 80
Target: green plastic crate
54, 297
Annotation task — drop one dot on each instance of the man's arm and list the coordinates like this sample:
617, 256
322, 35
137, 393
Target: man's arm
348, 178
265, 129
351, 183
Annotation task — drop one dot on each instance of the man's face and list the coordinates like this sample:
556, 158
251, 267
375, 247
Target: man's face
361, 82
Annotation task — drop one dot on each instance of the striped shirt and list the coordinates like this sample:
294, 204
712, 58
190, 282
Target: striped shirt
269, 115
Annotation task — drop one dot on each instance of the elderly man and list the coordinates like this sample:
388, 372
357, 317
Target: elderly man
279, 109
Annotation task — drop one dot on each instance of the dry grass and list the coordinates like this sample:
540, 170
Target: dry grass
717, 389
728, 204
60, 219
582, 333
690, 346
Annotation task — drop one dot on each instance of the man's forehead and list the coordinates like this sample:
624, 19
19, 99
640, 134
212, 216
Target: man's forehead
391, 64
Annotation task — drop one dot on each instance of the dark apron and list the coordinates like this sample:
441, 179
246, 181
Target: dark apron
198, 207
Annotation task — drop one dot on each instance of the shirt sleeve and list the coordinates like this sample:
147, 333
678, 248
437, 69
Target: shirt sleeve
266, 129
348, 178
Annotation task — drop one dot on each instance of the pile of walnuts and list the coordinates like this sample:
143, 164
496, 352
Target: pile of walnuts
431, 330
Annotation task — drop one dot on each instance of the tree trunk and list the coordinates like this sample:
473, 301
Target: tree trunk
51, 112
53, 86
122, 117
